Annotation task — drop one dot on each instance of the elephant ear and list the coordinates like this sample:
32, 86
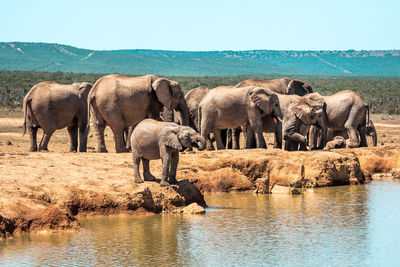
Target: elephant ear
296, 87
262, 97
169, 137
301, 109
163, 92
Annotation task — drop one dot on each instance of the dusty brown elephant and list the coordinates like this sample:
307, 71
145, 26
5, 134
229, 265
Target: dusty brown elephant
227, 107
121, 102
345, 111
153, 139
52, 106
284, 86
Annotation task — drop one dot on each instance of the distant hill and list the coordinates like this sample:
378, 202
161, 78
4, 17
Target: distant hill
56, 57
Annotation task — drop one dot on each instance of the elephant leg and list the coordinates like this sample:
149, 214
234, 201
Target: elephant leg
83, 135
174, 167
257, 127
119, 139
101, 144
136, 162
226, 137
146, 170
218, 139
353, 136
128, 138
45, 139
33, 136
166, 164
250, 137
209, 144
73, 135
363, 136
236, 138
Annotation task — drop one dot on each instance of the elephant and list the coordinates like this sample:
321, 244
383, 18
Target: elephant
369, 131
336, 142
52, 106
153, 139
300, 115
284, 86
345, 111
193, 98
122, 102
227, 107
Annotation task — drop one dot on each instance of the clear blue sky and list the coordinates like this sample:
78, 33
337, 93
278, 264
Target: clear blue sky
204, 24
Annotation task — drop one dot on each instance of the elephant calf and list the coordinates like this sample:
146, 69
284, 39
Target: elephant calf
153, 139
52, 106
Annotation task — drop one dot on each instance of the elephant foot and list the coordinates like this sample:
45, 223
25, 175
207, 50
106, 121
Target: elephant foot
43, 150
138, 180
123, 150
102, 150
164, 183
33, 150
148, 177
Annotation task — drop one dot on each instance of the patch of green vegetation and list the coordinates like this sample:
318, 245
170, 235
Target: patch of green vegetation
382, 93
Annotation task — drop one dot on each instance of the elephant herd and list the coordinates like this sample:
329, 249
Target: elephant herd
298, 117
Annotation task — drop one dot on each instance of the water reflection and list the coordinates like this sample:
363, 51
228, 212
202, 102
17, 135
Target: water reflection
347, 225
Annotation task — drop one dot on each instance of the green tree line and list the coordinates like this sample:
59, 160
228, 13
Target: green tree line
382, 93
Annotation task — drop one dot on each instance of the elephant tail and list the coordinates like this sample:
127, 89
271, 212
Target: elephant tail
368, 121
90, 100
27, 107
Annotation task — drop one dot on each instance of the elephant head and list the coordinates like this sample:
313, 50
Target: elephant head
169, 93
296, 87
304, 112
267, 101
339, 142
182, 137
84, 89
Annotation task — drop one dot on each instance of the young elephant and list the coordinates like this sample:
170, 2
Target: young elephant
52, 106
153, 139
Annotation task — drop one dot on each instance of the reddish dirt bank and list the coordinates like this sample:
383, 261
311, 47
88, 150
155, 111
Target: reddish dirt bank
45, 191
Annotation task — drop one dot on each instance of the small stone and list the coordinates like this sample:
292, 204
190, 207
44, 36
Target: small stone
9, 143
278, 189
193, 208
395, 173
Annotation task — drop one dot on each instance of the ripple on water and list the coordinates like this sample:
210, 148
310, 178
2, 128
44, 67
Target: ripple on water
346, 225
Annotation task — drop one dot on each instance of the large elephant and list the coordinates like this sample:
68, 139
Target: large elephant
227, 107
284, 86
122, 102
345, 111
303, 113
153, 139
52, 106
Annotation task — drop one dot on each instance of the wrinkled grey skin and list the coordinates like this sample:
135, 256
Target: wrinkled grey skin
284, 86
370, 131
301, 113
153, 139
52, 106
227, 107
122, 102
346, 111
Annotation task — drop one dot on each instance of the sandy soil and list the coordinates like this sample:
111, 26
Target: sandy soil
47, 190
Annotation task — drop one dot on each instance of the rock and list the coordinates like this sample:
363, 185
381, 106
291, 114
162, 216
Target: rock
262, 185
278, 189
193, 208
395, 173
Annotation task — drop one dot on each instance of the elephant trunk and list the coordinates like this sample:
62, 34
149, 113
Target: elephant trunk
199, 141
184, 110
323, 125
168, 115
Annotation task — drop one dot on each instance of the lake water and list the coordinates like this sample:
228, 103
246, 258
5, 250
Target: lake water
340, 226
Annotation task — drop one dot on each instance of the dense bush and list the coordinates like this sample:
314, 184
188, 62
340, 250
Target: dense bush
382, 93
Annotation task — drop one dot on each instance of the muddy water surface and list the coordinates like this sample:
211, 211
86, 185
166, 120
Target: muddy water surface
347, 225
